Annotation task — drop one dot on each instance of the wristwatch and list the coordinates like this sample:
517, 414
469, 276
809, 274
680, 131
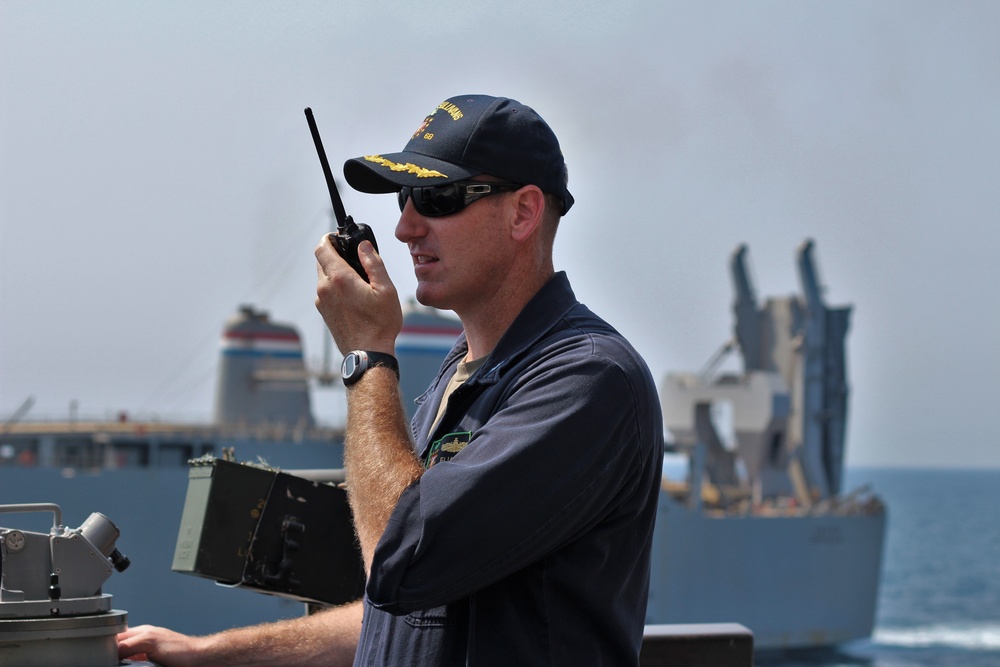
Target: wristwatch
358, 361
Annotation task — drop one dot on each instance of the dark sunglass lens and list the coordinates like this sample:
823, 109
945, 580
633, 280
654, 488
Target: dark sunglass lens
437, 201
441, 200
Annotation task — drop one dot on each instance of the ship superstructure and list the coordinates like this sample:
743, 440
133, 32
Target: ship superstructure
760, 532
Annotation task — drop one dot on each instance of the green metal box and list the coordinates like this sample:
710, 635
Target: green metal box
270, 531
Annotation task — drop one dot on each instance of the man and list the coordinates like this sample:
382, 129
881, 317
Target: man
510, 523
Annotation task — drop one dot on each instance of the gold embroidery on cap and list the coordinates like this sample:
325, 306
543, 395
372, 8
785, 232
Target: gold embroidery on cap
410, 168
423, 125
451, 109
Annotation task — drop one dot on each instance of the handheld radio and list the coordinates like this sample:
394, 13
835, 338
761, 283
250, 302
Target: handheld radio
349, 234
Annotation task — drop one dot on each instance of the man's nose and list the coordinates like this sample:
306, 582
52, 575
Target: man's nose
411, 224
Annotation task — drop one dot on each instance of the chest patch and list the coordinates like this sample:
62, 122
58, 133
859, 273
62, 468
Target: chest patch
446, 448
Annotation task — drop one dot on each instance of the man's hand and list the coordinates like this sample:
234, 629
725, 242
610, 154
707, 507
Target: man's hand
168, 648
360, 315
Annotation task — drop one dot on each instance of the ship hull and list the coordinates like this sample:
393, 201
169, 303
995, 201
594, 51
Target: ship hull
796, 581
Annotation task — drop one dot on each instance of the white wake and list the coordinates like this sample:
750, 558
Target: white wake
968, 636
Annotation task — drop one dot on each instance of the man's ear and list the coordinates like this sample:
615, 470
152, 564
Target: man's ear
529, 205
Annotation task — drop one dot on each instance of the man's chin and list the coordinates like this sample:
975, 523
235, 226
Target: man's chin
427, 297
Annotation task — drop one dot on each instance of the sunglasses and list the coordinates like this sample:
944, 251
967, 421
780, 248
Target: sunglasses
440, 200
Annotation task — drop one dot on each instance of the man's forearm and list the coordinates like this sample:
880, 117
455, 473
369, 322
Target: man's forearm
378, 455
328, 638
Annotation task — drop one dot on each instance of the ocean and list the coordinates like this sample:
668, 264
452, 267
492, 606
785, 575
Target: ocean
939, 601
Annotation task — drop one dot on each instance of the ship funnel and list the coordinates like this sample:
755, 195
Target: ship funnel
427, 336
262, 376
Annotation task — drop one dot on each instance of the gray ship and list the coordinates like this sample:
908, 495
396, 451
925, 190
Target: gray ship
758, 531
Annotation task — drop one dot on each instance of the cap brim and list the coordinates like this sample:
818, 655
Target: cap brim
377, 174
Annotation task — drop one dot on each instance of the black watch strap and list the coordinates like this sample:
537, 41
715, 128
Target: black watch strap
357, 362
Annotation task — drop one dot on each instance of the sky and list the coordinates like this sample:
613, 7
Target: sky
156, 172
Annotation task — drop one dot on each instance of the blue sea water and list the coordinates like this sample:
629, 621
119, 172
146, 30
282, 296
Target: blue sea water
939, 601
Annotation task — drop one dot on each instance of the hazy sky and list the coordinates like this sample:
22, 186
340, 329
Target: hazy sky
156, 172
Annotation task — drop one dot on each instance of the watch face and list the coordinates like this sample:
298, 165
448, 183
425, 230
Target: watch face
351, 363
